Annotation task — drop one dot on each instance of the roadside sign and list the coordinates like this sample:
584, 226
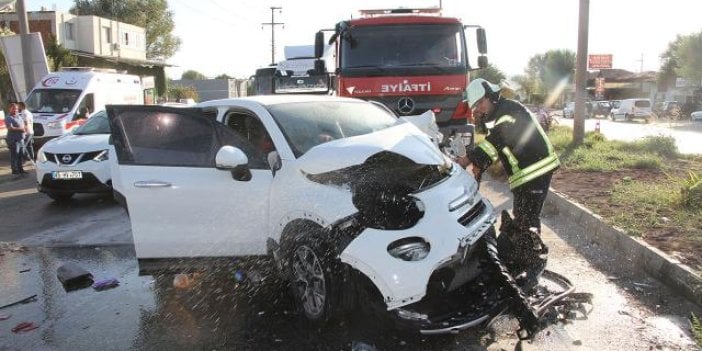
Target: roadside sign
599, 61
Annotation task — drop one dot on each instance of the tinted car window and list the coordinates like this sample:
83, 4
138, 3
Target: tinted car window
642, 103
168, 139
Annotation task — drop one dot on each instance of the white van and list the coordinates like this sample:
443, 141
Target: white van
629, 109
63, 100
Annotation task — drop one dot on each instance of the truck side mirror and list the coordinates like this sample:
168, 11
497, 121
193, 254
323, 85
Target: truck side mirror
318, 44
482, 41
482, 61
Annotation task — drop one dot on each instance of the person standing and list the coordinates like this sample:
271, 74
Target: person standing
517, 139
15, 136
28, 118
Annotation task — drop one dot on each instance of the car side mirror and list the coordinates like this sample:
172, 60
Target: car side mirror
274, 161
230, 158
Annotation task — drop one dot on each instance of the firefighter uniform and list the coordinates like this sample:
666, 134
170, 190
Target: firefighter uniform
527, 155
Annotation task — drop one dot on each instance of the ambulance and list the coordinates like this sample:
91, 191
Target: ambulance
64, 100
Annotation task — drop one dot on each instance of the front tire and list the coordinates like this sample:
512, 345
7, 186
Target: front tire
310, 265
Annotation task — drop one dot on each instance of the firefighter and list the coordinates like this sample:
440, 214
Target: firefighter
517, 139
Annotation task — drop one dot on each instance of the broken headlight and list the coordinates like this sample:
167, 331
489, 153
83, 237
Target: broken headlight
387, 207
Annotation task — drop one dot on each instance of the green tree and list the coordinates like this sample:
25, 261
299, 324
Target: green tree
223, 76
683, 58
5, 81
547, 74
182, 92
192, 75
489, 73
153, 15
58, 56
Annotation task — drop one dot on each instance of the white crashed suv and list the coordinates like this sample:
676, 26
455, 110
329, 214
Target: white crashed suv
339, 192
76, 162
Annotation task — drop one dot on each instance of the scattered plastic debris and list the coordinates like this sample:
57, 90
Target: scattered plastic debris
24, 327
25, 300
74, 277
185, 281
25, 270
362, 346
105, 284
4, 317
239, 276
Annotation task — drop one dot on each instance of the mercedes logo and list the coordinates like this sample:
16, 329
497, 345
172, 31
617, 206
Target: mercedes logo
405, 105
66, 158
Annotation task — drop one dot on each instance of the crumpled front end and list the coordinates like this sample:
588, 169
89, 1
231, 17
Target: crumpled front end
401, 262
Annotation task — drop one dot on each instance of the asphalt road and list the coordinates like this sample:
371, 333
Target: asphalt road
214, 311
685, 133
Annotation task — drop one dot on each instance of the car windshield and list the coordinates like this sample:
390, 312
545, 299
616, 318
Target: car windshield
97, 124
308, 124
52, 100
438, 45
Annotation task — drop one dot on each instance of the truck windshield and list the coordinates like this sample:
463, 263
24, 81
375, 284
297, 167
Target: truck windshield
415, 45
52, 100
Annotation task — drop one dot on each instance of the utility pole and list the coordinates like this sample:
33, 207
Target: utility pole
26, 46
273, 23
581, 73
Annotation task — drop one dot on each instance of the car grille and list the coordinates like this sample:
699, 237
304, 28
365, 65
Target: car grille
472, 214
69, 159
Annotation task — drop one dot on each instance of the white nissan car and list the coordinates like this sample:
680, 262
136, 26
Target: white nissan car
352, 204
76, 162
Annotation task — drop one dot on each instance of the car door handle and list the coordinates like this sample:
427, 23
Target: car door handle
151, 184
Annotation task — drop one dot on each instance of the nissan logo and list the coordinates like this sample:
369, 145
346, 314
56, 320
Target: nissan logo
66, 158
405, 105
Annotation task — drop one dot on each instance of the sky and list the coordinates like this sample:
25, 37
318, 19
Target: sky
227, 36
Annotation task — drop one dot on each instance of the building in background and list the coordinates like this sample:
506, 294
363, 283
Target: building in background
96, 41
213, 89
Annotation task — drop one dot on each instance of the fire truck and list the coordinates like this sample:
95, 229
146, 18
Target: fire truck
410, 60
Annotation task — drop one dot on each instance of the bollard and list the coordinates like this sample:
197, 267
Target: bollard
597, 126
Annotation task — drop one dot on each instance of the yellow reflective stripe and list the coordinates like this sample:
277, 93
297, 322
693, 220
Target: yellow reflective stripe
533, 171
505, 119
513, 163
489, 149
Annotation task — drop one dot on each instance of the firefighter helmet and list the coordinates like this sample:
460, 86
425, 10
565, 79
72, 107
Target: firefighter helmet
480, 87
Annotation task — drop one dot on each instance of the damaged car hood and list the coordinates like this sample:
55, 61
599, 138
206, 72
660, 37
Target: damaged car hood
404, 139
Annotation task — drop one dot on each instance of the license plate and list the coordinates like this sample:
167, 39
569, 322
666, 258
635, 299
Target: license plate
67, 175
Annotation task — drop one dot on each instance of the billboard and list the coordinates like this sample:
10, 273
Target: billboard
599, 61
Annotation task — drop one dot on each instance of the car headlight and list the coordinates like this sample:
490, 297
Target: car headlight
409, 249
102, 156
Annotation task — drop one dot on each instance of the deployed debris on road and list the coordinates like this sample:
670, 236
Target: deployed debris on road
24, 327
105, 284
74, 277
23, 301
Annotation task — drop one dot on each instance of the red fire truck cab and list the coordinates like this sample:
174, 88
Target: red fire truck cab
410, 60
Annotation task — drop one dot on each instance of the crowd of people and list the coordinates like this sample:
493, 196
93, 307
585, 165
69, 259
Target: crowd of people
20, 132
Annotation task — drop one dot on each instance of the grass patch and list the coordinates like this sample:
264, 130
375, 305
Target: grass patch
597, 154
646, 205
696, 328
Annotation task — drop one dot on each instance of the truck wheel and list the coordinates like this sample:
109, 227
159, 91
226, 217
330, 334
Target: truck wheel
60, 197
310, 269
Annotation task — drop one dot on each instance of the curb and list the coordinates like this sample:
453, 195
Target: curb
654, 261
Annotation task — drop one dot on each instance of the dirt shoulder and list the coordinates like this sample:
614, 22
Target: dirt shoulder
665, 228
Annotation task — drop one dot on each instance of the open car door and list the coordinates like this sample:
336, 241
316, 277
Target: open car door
182, 201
